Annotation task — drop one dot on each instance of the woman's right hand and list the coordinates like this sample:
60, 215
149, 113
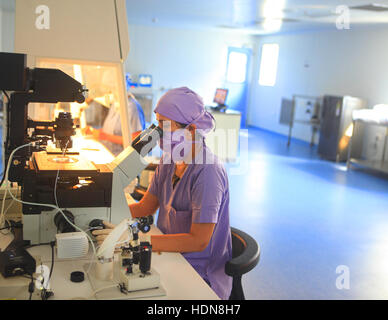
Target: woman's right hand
97, 134
101, 235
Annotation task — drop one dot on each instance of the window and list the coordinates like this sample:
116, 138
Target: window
237, 67
269, 64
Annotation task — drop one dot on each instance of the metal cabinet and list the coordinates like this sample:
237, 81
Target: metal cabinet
336, 122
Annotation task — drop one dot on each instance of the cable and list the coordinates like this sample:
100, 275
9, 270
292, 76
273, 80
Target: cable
31, 287
2, 214
29, 277
57, 206
103, 288
48, 205
43, 204
44, 294
5, 212
3, 219
36, 245
47, 294
9, 227
52, 244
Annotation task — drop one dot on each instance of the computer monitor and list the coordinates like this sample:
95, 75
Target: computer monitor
220, 96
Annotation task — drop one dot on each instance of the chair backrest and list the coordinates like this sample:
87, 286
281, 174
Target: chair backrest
238, 245
246, 254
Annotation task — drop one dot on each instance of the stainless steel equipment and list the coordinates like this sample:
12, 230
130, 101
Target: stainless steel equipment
336, 122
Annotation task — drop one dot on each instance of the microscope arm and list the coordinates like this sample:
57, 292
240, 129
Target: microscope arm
125, 167
106, 251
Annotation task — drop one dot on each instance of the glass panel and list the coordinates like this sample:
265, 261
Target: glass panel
237, 67
102, 82
269, 64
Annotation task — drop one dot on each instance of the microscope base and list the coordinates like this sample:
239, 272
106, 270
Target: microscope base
138, 281
114, 292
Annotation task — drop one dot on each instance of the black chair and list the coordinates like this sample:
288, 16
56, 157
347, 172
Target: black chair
246, 255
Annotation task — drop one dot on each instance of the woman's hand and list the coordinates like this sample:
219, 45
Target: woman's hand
87, 130
96, 133
101, 235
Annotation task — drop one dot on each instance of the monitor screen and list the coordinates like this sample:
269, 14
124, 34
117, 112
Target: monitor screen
220, 96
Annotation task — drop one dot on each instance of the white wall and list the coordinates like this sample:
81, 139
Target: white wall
346, 62
182, 57
7, 30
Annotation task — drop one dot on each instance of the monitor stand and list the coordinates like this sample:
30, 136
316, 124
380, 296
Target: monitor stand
219, 107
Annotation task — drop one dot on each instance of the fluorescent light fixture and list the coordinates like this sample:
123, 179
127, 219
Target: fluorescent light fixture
273, 14
273, 9
269, 64
272, 24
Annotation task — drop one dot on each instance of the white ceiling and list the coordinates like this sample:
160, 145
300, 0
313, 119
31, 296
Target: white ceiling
246, 16
249, 15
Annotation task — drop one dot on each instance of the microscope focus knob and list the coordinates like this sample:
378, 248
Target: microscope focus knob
145, 223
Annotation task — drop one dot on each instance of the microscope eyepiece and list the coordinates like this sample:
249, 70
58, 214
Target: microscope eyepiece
147, 139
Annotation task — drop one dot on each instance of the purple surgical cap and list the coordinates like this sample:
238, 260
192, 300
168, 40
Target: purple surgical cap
185, 106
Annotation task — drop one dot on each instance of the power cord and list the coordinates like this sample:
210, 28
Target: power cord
52, 245
31, 287
13, 225
45, 294
44, 204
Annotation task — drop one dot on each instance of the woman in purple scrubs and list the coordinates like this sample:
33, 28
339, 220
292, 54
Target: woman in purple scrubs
191, 190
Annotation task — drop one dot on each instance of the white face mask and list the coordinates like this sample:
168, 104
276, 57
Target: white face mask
178, 144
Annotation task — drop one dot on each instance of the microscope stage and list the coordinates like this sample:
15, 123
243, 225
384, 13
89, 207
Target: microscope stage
51, 150
47, 163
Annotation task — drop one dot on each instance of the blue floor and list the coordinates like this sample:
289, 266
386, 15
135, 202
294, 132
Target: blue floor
310, 216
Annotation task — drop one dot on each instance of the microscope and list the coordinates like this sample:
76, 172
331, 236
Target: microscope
82, 190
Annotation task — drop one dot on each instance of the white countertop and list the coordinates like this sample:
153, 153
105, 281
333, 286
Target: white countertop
178, 278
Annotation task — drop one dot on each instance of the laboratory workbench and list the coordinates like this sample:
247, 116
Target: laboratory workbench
179, 280
224, 140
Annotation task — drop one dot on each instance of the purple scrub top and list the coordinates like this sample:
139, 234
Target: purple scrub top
200, 196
